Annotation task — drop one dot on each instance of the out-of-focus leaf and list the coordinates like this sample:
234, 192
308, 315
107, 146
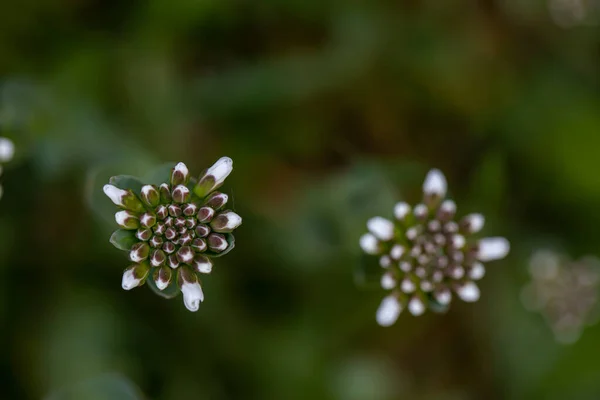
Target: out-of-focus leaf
367, 273
108, 387
158, 175
127, 182
123, 239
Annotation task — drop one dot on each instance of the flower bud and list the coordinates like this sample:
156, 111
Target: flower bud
172, 261
162, 277
199, 245
494, 248
123, 198
181, 194
165, 193
472, 223
202, 264
214, 177
127, 220
139, 252
205, 214
434, 187
180, 175
226, 222
135, 276
144, 234
388, 311
162, 212
202, 231
185, 255
190, 288
369, 244
382, 228
150, 195
469, 292
7, 149
169, 247
148, 220
217, 242
157, 258
156, 242
190, 210
174, 211
216, 200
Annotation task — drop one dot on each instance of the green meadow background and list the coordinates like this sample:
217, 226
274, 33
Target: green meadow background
332, 111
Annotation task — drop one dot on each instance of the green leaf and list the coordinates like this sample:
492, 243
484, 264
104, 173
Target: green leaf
170, 291
160, 174
123, 239
127, 182
367, 273
230, 240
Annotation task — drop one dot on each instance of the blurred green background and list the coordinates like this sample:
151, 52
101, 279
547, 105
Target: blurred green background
332, 110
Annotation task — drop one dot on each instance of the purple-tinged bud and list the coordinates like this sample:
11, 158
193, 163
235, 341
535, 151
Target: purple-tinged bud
156, 242
169, 247
127, 220
214, 177
135, 276
139, 252
169, 222
216, 200
174, 211
181, 194
159, 229
421, 212
434, 187
199, 245
165, 193
124, 198
186, 239
170, 233
190, 288
157, 258
182, 230
185, 255
205, 214
217, 242
148, 220
172, 261
202, 231
447, 211
162, 212
144, 234
190, 210
226, 222
202, 264
190, 223
472, 223
179, 222
162, 277
180, 175
150, 195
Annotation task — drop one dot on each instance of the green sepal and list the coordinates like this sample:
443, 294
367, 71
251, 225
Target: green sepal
435, 306
230, 245
170, 291
123, 239
367, 272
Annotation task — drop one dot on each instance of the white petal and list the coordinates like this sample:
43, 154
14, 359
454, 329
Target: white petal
369, 243
181, 167
7, 149
233, 220
493, 249
458, 241
380, 227
444, 297
469, 292
477, 271
122, 216
115, 194
476, 222
221, 169
129, 280
435, 183
397, 252
416, 306
192, 295
161, 285
388, 311
387, 281
401, 210
408, 286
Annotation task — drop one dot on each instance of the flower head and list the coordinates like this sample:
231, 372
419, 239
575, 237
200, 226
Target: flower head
427, 254
7, 151
565, 292
173, 231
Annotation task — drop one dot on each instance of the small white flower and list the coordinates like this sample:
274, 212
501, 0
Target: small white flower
385, 261
369, 243
477, 271
458, 241
401, 210
129, 280
7, 149
397, 252
388, 311
387, 281
435, 184
494, 248
408, 286
221, 170
382, 228
469, 292
444, 296
115, 194
192, 295
416, 306
475, 222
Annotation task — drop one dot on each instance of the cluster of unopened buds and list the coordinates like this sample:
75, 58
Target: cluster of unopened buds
7, 151
174, 230
427, 254
564, 291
